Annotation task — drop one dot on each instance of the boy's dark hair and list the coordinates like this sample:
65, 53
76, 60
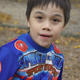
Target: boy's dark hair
65, 5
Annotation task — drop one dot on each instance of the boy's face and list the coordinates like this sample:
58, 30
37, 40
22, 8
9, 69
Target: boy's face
46, 24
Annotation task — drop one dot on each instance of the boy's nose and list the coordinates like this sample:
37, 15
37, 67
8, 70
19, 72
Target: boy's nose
46, 26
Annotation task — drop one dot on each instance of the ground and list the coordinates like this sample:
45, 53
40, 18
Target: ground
14, 14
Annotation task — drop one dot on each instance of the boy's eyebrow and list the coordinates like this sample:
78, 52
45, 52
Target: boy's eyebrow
39, 12
44, 13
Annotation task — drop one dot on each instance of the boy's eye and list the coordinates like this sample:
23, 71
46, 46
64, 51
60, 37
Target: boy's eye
55, 20
39, 17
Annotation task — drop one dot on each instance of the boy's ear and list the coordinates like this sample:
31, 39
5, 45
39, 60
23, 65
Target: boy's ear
63, 28
28, 22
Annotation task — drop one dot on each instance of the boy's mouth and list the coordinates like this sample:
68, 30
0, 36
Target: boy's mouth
45, 35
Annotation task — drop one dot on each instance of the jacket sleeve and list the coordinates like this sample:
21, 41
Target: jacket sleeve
8, 63
60, 75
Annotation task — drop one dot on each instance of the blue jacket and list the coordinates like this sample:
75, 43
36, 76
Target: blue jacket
23, 59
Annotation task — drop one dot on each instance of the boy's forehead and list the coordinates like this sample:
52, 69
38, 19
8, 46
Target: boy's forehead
48, 7
43, 7
50, 10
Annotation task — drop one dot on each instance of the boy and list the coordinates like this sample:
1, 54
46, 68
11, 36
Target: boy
33, 56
